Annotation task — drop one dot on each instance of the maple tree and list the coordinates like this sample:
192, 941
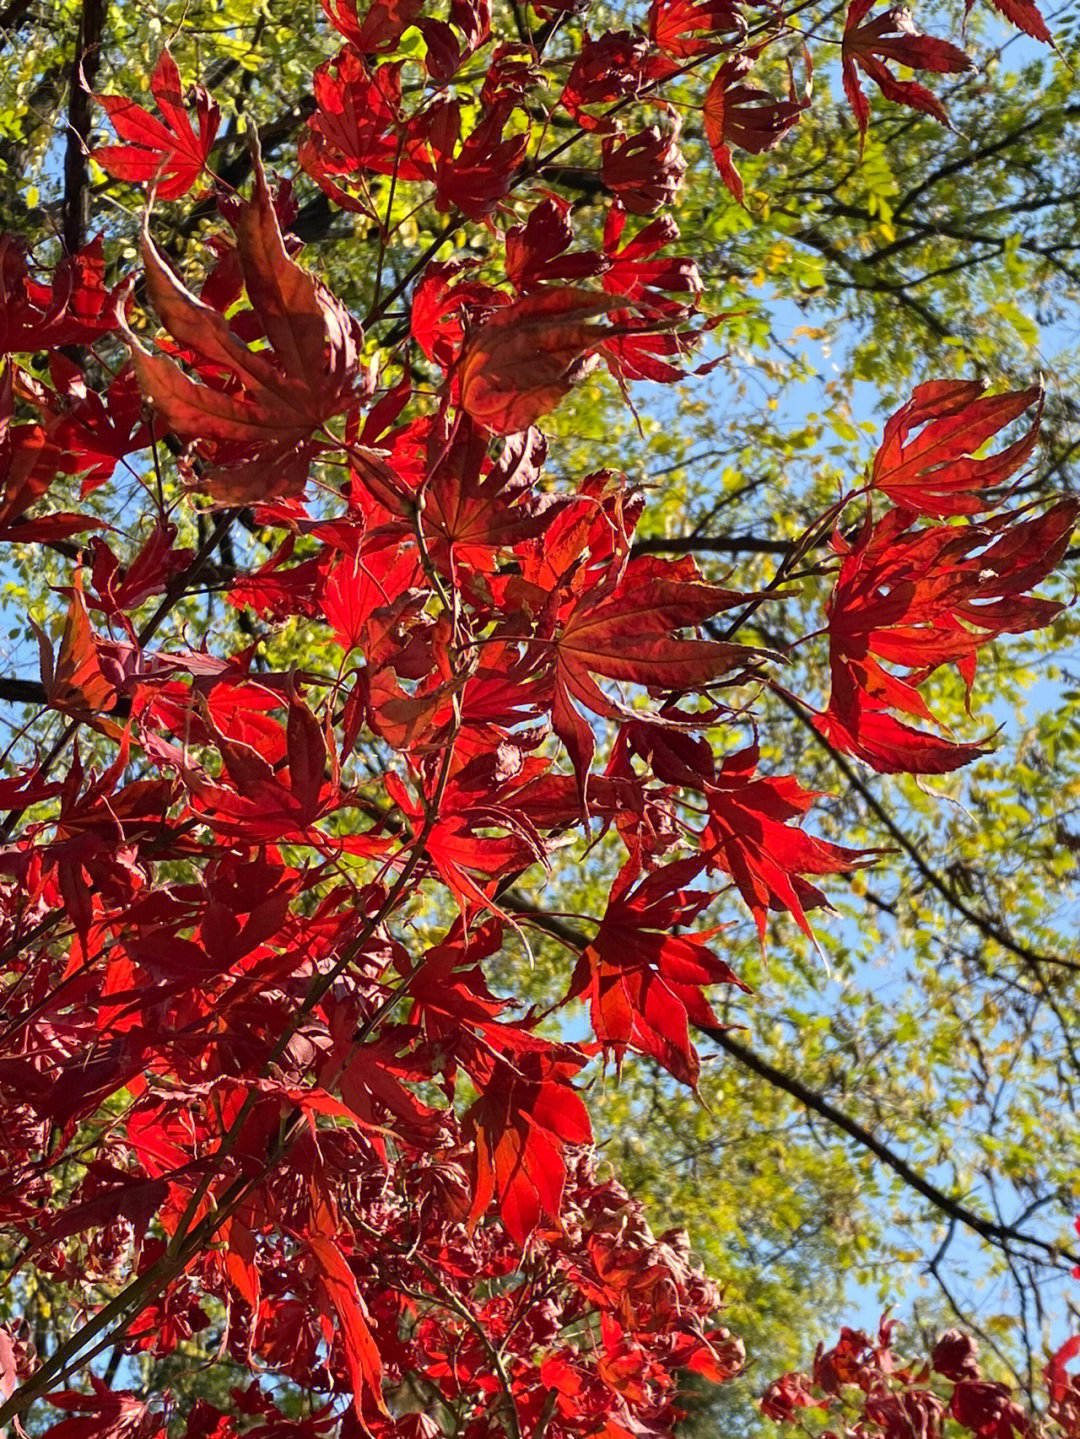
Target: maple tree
242, 1086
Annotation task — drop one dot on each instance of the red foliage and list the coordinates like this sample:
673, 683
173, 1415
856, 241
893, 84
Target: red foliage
282, 1104
865, 1388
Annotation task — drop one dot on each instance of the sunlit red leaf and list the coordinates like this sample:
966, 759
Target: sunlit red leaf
259, 430
745, 116
168, 151
629, 635
339, 1288
645, 978
526, 1116
869, 44
926, 460
522, 361
925, 597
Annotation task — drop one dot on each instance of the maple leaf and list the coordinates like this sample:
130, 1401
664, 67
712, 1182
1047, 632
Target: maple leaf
645, 981
257, 433
934, 472
538, 252
461, 843
474, 507
170, 153
522, 360
118, 587
135, 1199
355, 587
339, 1292
76, 309
1023, 14
685, 28
104, 1413
629, 634
73, 677
606, 68
644, 170
752, 832
743, 115
657, 325
885, 743
279, 785
357, 126
469, 175
96, 431
29, 461
893, 36
526, 1114
382, 27
922, 598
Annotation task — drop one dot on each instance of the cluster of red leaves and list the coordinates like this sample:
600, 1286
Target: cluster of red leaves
864, 1389
922, 596
237, 1077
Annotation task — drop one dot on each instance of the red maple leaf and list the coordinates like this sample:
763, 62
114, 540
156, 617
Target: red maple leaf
685, 28
933, 471
340, 1296
629, 633
893, 36
644, 980
522, 360
357, 126
526, 1115
644, 170
746, 116
922, 598
76, 309
753, 831
170, 153
1023, 14
256, 430
105, 1413
470, 174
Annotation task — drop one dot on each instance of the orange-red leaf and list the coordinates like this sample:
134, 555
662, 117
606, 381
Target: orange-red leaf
933, 472
745, 116
520, 1126
921, 598
526, 357
257, 431
169, 152
338, 1285
644, 981
630, 635
893, 36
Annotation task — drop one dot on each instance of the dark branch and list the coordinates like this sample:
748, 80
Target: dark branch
11, 17
711, 545
1004, 1235
983, 923
23, 692
83, 69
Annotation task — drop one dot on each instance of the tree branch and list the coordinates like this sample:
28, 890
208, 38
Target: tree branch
710, 545
83, 69
11, 17
983, 923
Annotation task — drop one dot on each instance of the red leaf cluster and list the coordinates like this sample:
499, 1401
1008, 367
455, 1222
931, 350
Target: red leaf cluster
864, 1387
